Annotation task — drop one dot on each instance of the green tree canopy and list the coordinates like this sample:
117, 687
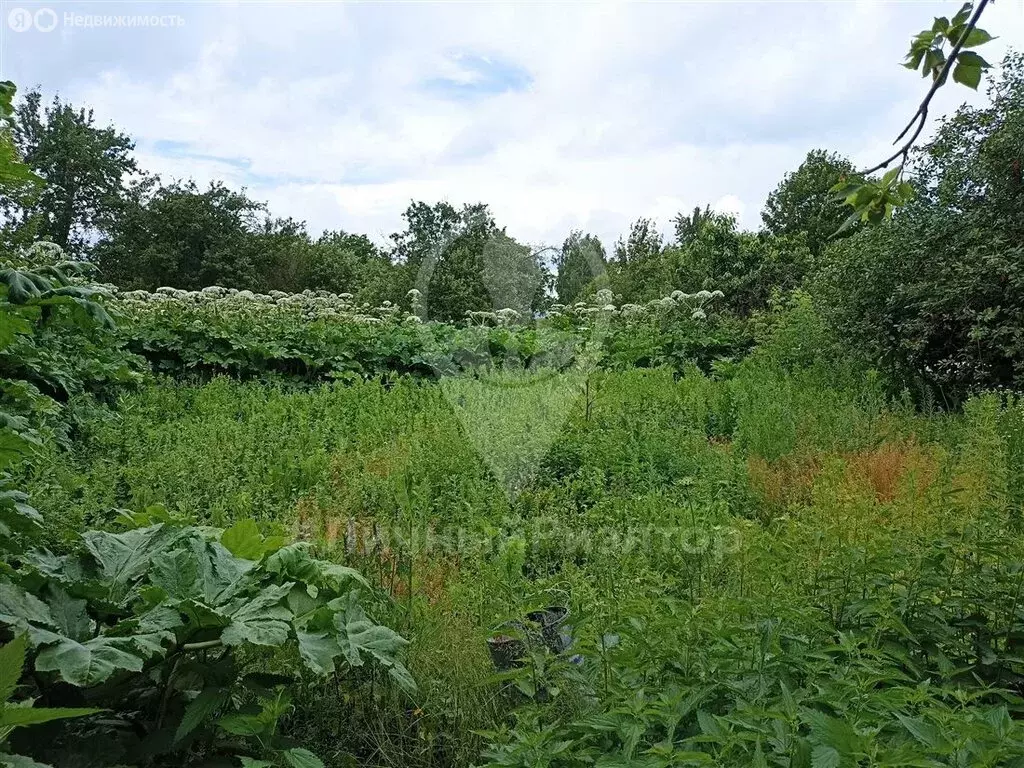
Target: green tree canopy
180, 236
85, 168
580, 266
936, 297
803, 200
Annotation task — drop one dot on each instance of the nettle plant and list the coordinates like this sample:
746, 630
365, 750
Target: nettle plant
169, 628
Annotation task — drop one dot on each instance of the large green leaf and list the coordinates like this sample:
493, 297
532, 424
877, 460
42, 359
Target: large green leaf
200, 708
295, 562
123, 557
297, 757
12, 325
242, 725
21, 716
243, 539
318, 650
12, 660
18, 607
23, 285
69, 615
261, 620
201, 616
88, 663
177, 573
357, 634
60, 568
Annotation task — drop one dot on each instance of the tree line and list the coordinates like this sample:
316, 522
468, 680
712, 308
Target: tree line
934, 297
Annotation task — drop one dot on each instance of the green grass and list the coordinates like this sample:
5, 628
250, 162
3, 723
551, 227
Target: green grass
754, 566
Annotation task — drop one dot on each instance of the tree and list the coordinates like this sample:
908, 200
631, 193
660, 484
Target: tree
803, 200
935, 297
514, 275
343, 262
746, 267
180, 236
441, 250
640, 273
580, 267
84, 167
689, 226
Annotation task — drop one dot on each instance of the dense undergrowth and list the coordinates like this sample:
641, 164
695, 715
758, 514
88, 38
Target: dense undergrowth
766, 561
777, 566
278, 529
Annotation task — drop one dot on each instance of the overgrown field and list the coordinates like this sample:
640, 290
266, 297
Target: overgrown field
744, 499
764, 569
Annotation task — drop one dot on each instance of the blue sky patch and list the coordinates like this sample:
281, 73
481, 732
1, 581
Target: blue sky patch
473, 76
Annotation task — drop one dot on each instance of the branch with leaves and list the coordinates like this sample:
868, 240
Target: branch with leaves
873, 201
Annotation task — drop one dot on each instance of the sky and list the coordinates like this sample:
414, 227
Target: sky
559, 115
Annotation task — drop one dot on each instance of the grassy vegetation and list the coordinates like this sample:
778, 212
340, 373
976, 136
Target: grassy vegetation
773, 567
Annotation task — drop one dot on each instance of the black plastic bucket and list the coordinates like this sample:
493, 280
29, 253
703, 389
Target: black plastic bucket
555, 633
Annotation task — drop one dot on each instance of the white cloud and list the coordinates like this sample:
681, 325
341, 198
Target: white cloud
629, 110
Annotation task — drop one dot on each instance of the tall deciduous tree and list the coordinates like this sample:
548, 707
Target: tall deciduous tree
85, 167
640, 272
442, 250
803, 200
180, 236
935, 297
581, 266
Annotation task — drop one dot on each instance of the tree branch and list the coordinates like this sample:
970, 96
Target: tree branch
921, 115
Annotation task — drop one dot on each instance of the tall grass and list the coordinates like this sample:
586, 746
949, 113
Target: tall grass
754, 563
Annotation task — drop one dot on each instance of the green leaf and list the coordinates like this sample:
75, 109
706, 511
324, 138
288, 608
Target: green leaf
199, 709
295, 562
23, 285
248, 762
123, 557
962, 15
14, 717
89, 663
201, 570
967, 75
242, 725
297, 757
261, 620
358, 635
177, 573
11, 326
824, 757
971, 59
977, 37
832, 732
69, 615
318, 650
12, 660
927, 734
243, 539
18, 607
709, 724
934, 59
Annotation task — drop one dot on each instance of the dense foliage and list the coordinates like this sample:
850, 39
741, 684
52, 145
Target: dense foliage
732, 499
935, 297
